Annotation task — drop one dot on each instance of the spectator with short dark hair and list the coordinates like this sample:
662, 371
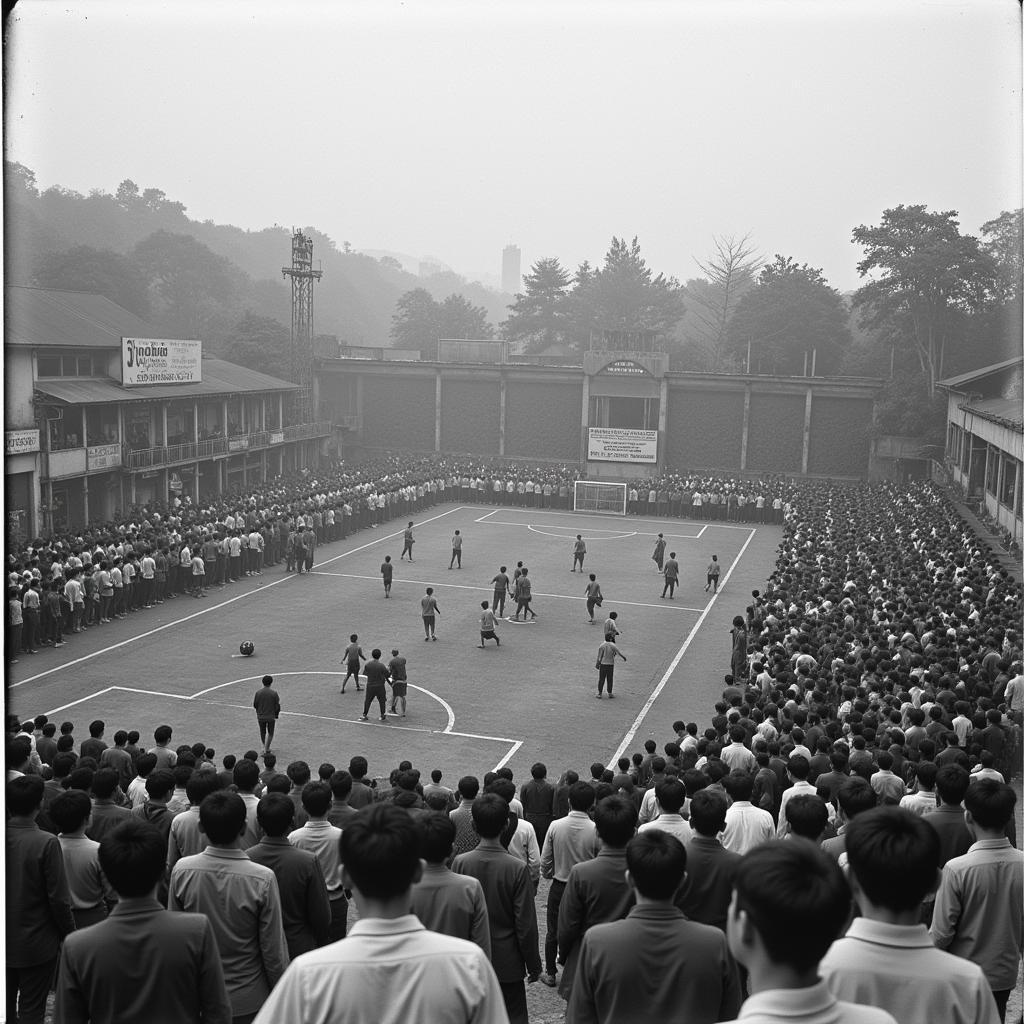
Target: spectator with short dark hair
466, 837
623, 972
807, 817
91, 895
446, 902
38, 907
710, 867
978, 905
746, 826
305, 908
887, 958
142, 963
391, 966
789, 904
323, 840
947, 820
106, 814
538, 799
241, 900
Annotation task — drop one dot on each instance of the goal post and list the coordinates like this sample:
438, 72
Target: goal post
598, 496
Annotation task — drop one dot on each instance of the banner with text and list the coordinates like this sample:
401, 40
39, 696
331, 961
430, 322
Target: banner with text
609, 444
161, 361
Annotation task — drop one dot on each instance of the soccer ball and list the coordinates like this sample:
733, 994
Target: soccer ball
246, 647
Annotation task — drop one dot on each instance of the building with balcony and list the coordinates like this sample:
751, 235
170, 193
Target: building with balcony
84, 437
985, 439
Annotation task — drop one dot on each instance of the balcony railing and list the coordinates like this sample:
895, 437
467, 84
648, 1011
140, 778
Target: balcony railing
197, 451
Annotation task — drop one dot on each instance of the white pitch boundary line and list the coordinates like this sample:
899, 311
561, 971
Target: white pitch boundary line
262, 588
611, 515
619, 534
490, 590
638, 721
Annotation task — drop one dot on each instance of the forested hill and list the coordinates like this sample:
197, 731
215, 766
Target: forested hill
200, 279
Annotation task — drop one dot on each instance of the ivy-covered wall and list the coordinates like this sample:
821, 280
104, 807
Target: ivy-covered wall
398, 412
470, 416
543, 420
839, 436
775, 435
704, 429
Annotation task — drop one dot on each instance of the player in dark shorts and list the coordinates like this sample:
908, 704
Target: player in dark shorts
399, 681
387, 570
714, 571
376, 685
524, 595
407, 543
351, 657
501, 584
487, 624
579, 552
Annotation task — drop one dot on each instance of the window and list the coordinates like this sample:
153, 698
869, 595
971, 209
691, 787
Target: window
71, 364
1011, 471
48, 366
992, 471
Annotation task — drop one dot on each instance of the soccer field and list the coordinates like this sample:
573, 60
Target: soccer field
470, 710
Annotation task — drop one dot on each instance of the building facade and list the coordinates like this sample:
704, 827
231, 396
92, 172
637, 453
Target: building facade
985, 439
87, 435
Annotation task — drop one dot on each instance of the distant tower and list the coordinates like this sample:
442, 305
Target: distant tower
510, 276
302, 276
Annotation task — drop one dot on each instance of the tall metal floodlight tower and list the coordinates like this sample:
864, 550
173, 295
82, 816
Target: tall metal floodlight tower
302, 277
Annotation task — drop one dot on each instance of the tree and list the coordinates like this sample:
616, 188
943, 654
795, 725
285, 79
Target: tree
18, 177
930, 277
416, 322
790, 319
539, 314
85, 269
260, 343
728, 275
459, 318
1004, 242
127, 194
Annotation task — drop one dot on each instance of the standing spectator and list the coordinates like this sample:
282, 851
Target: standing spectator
305, 908
323, 840
739, 650
538, 799
710, 868
466, 836
91, 895
947, 820
186, 838
978, 905
508, 894
746, 826
391, 968
341, 811
142, 963
106, 814
887, 958
118, 758
38, 902
623, 972
790, 903
446, 902
670, 794
569, 841
241, 900
267, 703
597, 890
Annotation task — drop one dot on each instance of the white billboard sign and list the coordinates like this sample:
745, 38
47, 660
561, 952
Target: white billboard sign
161, 361
17, 442
610, 444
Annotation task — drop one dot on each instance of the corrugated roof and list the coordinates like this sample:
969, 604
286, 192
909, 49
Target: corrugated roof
982, 371
1004, 411
51, 318
219, 378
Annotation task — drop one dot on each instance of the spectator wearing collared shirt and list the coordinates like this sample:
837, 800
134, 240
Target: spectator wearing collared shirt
323, 839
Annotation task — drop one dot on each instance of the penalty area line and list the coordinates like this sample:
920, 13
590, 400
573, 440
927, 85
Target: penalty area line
649, 703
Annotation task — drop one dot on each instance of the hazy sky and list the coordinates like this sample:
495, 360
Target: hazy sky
453, 128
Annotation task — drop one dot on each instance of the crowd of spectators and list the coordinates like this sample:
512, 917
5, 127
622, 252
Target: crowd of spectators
857, 764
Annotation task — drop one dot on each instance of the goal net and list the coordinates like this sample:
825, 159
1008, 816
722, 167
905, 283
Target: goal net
594, 496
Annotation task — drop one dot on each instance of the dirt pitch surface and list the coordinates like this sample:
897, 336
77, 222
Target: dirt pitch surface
469, 710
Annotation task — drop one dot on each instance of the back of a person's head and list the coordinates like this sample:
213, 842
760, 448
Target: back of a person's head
581, 796
381, 852
24, 795
64, 765
799, 767
436, 836
539, 770
222, 816
133, 857
694, 780
436, 775
707, 812
990, 803
469, 786
615, 817
341, 785
245, 774
159, 783
278, 784
739, 785
505, 789
358, 767
104, 782
162, 734
894, 857
658, 764
182, 773
19, 750
856, 796
201, 785
70, 809
951, 782
795, 897
96, 728
885, 761
275, 812
490, 815
656, 862
145, 763
838, 759
671, 795
299, 773
926, 773
316, 798
807, 816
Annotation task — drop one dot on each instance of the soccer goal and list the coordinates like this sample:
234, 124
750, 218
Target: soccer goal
596, 496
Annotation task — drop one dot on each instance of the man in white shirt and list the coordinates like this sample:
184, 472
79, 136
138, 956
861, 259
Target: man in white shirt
798, 770
323, 839
746, 826
391, 969
671, 795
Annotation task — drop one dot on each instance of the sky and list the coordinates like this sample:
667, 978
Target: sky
450, 128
